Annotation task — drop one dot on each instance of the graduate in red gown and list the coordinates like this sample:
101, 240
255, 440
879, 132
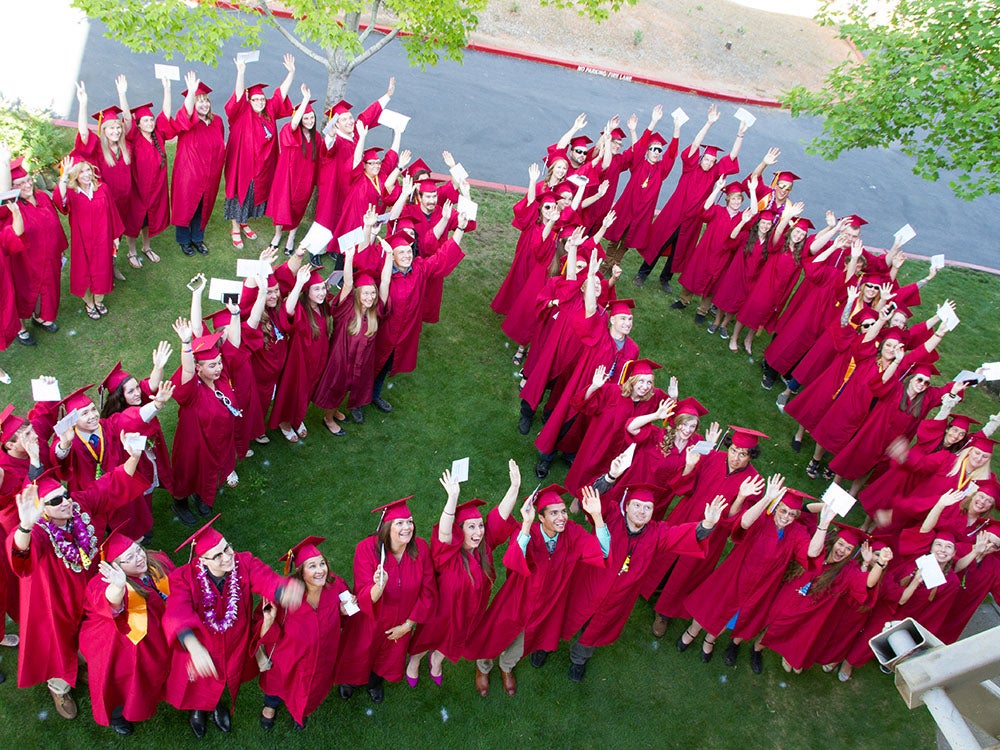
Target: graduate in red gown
94, 226
265, 335
979, 574
372, 180
208, 624
350, 366
302, 645
739, 593
35, 274
752, 236
122, 635
462, 546
528, 611
307, 319
602, 599
149, 208
252, 150
204, 451
11, 245
295, 174
398, 337
799, 626
54, 551
83, 452
198, 162
394, 583
679, 221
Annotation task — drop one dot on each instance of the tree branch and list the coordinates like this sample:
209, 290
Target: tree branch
262, 4
371, 21
373, 49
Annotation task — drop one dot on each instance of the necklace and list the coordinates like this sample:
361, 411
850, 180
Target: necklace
209, 598
75, 543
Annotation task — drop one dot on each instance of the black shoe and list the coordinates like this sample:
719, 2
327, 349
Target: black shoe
3, 678
538, 658
265, 723
706, 656
198, 721
639, 281
678, 305
187, 249
183, 512
358, 415
577, 671
377, 694
200, 508
796, 445
345, 692
121, 725
51, 326
381, 404
524, 424
221, 717
665, 286
730, 656
699, 319
542, 468
766, 383
299, 727
756, 661
201, 247
26, 339
681, 645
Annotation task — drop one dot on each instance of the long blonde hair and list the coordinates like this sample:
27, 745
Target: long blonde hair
370, 315
976, 475
74, 174
109, 154
629, 385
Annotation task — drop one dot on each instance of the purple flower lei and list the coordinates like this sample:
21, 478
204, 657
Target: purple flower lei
209, 597
75, 543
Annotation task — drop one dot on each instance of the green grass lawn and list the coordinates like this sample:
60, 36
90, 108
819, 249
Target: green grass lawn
462, 401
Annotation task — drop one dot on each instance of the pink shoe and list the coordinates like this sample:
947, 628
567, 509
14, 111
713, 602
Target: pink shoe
412, 681
437, 678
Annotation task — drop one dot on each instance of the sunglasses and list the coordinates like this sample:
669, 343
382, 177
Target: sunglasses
579, 150
656, 149
57, 500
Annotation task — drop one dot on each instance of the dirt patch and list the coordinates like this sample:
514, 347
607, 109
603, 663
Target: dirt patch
676, 40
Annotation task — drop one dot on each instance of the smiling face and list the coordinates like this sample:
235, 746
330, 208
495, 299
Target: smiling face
258, 102
88, 418
85, 177
889, 348
472, 533
367, 295
763, 227
400, 533
782, 189
131, 392
578, 155
943, 551
428, 201
954, 434
841, 550
309, 120
317, 293
202, 105
209, 370
978, 459
133, 561
784, 516
372, 167
558, 170
25, 186
638, 513
917, 385
345, 123
798, 235
553, 518
981, 504
315, 572
643, 385
621, 325
707, 162
62, 511
402, 257
654, 152
147, 124
684, 427
220, 559
616, 145
734, 200
273, 295
112, 130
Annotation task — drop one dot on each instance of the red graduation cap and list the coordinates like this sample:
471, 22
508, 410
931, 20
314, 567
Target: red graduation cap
469, 510
78, 399
962, 421
372, 153
203, 539
256, 89
744, 437
877, 279
417, 167
580, 141
17, 170
850, 534
392, 511
925, 368
202, 90
944, 534
689, 405
803, 223
983, 443
794, 498
855, 221
786, 176
656, 140
991, 487
734, 187
143, 110
304, 550
864, 315
400, 240
551, 495
364, 279
553, 155
116, 543
206, 347
427, 186
46, 482
621, 307
766, 215
636, 367
9, 423
405, 222
315, 278
711, 151
113, 379
547, 197
219, 319
339, 108
107, 114
617, 134
907, 312
645, 493
993, 527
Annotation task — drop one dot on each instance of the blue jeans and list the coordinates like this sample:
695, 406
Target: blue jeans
193, 233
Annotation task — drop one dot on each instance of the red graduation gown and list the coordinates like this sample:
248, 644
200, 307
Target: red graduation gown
121, 673
10, 322
364, 191
522, 322
307, 356
977, 581
94, 225
52, 595
399, 333
409, 595
634, 209
767, 296
294, 176
230, 650
116, 177
350, 365
749, 578
715, 248
526, 221
739, 277
198, 162
36, 272
252, 151
150, 201
303, 647
534, 597
604, 598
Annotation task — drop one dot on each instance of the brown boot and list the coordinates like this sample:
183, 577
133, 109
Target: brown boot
660, 626
482, 683
509, 683
65, 705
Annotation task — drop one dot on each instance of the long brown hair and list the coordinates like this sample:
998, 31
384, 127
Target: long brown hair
382, 541
670, 433
830, 571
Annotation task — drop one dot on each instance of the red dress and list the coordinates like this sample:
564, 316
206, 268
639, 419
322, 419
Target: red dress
36, 272
94, 225
201, 154
747, 582
52, 594
230, 649
294, 176
634, 209
303, 648
408, 595
350, 366
121, 673
252, 151
535, 595
150, 204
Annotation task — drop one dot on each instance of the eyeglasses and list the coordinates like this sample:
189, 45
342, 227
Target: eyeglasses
227, 552
579, 150
656, 149
52, 502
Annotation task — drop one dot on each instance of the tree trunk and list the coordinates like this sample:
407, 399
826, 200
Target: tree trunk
338, 72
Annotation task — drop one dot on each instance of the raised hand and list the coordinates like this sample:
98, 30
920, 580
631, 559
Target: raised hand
121, 85
751, 486
164, 393
600, 377
590, 500
293, 590
714, 431
191, 80
775, 487
528, 509
183, 330
713, 114
867, 553
514, 471
633, 121
609, 219
391, 88
29, 510
112, 574
451, 487
288, 61
81, 94
534, 172
713, 511
580, 122
771, 156
449, 160
672, 388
